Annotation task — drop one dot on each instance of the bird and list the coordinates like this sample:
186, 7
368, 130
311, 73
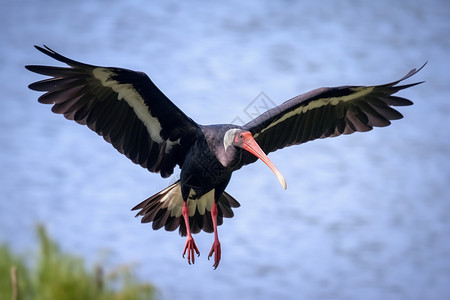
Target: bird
130, 112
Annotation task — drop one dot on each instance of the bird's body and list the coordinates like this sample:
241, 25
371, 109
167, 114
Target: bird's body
131, 113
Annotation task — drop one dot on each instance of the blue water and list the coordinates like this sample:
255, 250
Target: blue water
365, 216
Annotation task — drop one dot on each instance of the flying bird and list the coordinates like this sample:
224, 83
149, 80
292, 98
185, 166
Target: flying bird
128, 110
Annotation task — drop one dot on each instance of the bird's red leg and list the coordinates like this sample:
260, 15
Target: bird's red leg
190, 246
216, 245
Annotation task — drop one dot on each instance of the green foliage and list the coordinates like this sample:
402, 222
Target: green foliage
58, 275
10, 263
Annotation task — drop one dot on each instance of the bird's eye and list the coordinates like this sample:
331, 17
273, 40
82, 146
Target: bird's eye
241, 136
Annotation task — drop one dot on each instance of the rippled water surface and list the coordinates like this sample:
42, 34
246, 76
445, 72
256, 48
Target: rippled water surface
365, 216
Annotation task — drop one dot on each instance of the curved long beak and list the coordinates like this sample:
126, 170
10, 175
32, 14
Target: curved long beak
252, 146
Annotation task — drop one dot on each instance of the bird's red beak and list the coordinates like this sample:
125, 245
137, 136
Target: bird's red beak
252, 146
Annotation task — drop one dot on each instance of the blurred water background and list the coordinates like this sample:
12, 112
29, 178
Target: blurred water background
365, 216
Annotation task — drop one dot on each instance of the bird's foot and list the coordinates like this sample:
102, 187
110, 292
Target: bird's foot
190, 247
217, 253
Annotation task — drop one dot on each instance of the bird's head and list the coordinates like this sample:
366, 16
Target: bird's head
243, 139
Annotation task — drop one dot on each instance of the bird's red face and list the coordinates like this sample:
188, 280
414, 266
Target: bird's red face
245, 140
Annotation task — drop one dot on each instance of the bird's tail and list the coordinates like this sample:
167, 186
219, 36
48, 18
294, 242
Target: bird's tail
164, 210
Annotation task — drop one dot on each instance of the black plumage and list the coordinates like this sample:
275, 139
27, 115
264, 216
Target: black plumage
130, 112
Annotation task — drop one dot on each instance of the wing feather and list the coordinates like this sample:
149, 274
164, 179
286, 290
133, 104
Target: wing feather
327, 112
123, 106
164, 210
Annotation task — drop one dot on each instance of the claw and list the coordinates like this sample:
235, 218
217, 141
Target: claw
216, 245
190, 247
217, 253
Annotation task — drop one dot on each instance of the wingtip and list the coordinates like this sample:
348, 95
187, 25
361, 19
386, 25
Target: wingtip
414, 71
422, 66
45, 49
55, 55
408, 75
39, 47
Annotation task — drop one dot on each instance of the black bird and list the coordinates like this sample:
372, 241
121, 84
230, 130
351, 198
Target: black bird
131, 113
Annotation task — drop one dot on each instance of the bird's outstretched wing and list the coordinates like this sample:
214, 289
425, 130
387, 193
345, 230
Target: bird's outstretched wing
123, 106
327, 112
